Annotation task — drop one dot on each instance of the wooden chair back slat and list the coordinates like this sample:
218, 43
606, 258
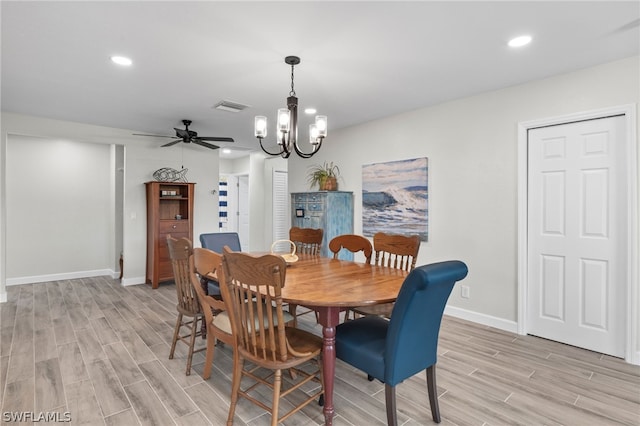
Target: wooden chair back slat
396, 251
307, 240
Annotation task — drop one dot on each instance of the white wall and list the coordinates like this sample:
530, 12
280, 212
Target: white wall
142, 157
236, 166
471, 144
57, 195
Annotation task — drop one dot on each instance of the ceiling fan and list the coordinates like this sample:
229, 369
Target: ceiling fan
189, 136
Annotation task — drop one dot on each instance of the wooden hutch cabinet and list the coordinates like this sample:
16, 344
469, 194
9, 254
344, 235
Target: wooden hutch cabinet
330, 210
169, 211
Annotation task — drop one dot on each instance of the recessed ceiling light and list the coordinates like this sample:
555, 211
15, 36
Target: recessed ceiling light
226, 151
520, 41
121, 60
310, 111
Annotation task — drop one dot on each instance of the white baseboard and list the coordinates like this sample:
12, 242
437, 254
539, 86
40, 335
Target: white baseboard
72, 275
62, 276
132, 281
488, 320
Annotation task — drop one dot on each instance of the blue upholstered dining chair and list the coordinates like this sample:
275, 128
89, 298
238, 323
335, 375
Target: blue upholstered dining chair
216, 241
396, 349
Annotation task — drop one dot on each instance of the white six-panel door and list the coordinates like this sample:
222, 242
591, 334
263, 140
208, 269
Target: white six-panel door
577, 230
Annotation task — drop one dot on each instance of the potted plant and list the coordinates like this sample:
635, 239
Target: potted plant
325, 176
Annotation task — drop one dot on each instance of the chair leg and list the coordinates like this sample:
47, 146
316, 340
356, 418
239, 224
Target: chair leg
211, 343
433, 393
390, 400
203, 329
277, 384
205, 287
192, 343
238, 364
176, 331
292, 311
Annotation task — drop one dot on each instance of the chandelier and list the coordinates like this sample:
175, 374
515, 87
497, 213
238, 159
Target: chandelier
287, 125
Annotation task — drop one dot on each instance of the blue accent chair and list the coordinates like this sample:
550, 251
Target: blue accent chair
396, 349
215, 242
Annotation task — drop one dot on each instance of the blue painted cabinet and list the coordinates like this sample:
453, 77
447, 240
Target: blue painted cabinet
330, 210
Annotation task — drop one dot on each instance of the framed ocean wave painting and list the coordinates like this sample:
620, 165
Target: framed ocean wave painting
395, 198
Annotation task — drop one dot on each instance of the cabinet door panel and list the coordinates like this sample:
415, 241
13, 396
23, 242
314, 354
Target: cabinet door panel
165, 270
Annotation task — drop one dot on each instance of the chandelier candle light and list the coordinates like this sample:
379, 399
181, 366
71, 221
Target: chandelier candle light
287, 125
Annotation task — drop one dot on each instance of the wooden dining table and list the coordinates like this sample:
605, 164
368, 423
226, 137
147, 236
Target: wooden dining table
330, 286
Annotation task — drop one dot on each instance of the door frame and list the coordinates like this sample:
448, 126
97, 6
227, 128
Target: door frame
632, 355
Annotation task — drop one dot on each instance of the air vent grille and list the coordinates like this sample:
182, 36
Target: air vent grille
230, 106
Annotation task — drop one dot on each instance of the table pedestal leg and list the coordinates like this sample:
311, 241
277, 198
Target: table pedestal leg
329, 318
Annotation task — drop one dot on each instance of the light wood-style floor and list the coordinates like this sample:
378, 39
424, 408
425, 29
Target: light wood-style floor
99, 351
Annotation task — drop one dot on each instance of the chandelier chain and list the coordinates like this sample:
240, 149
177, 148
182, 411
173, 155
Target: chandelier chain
292, 92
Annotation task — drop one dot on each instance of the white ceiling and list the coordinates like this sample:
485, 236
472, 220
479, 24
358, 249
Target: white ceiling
361, 60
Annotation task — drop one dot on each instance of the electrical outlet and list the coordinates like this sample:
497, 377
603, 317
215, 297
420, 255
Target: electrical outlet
464, 291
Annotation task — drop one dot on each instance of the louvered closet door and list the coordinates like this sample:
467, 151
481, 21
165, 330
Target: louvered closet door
243, 212
281, 219
577, 231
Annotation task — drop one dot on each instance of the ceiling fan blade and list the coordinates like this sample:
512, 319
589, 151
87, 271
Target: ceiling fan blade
155, 136
208, 145
181, 133
215, 139
629, 25
172, 142
632, 25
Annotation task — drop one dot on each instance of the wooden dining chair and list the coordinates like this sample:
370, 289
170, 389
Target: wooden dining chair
202, 264
189, 310
392, 351
263, 339
353, 243
307, 240
393, 251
